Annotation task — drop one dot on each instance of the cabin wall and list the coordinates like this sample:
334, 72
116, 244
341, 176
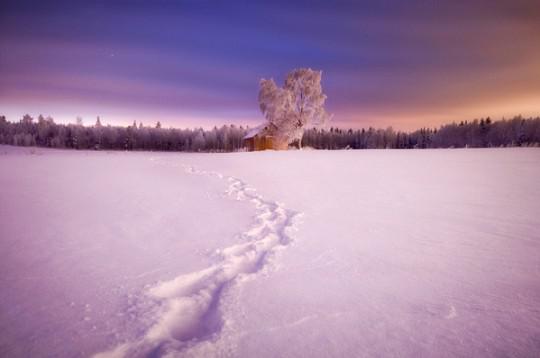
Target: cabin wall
264, 143
249, 143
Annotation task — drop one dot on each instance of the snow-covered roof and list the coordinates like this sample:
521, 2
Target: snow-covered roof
254, 131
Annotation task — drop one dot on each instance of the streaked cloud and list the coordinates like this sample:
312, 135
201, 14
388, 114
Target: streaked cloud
393, 63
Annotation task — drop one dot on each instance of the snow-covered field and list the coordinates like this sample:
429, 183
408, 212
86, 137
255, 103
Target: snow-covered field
417, 253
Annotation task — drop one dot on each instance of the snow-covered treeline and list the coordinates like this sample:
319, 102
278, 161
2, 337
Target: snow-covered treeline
481, 133
44, 132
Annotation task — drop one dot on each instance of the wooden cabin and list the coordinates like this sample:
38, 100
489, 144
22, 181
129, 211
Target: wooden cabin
259, 139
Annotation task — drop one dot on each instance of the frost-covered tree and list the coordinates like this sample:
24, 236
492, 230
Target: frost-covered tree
198, 141
483, 132
299, 103
27, 119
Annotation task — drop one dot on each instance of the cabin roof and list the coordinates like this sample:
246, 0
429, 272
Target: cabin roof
254, 131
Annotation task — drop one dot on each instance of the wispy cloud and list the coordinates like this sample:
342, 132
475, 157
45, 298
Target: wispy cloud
406, 64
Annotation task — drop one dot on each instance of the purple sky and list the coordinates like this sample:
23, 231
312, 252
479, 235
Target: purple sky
198, 63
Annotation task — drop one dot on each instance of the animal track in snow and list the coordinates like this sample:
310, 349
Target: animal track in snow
189, 303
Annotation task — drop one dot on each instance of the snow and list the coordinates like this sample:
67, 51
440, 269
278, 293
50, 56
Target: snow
298, 253
254, 131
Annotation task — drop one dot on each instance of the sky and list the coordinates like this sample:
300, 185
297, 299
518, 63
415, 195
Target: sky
406, 64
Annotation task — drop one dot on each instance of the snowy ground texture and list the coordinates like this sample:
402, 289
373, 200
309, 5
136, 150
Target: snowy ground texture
417, 253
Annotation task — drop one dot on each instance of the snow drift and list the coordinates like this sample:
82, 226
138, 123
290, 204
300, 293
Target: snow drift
397, 253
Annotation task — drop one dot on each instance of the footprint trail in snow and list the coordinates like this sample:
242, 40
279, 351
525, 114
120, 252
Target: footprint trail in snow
189, 311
